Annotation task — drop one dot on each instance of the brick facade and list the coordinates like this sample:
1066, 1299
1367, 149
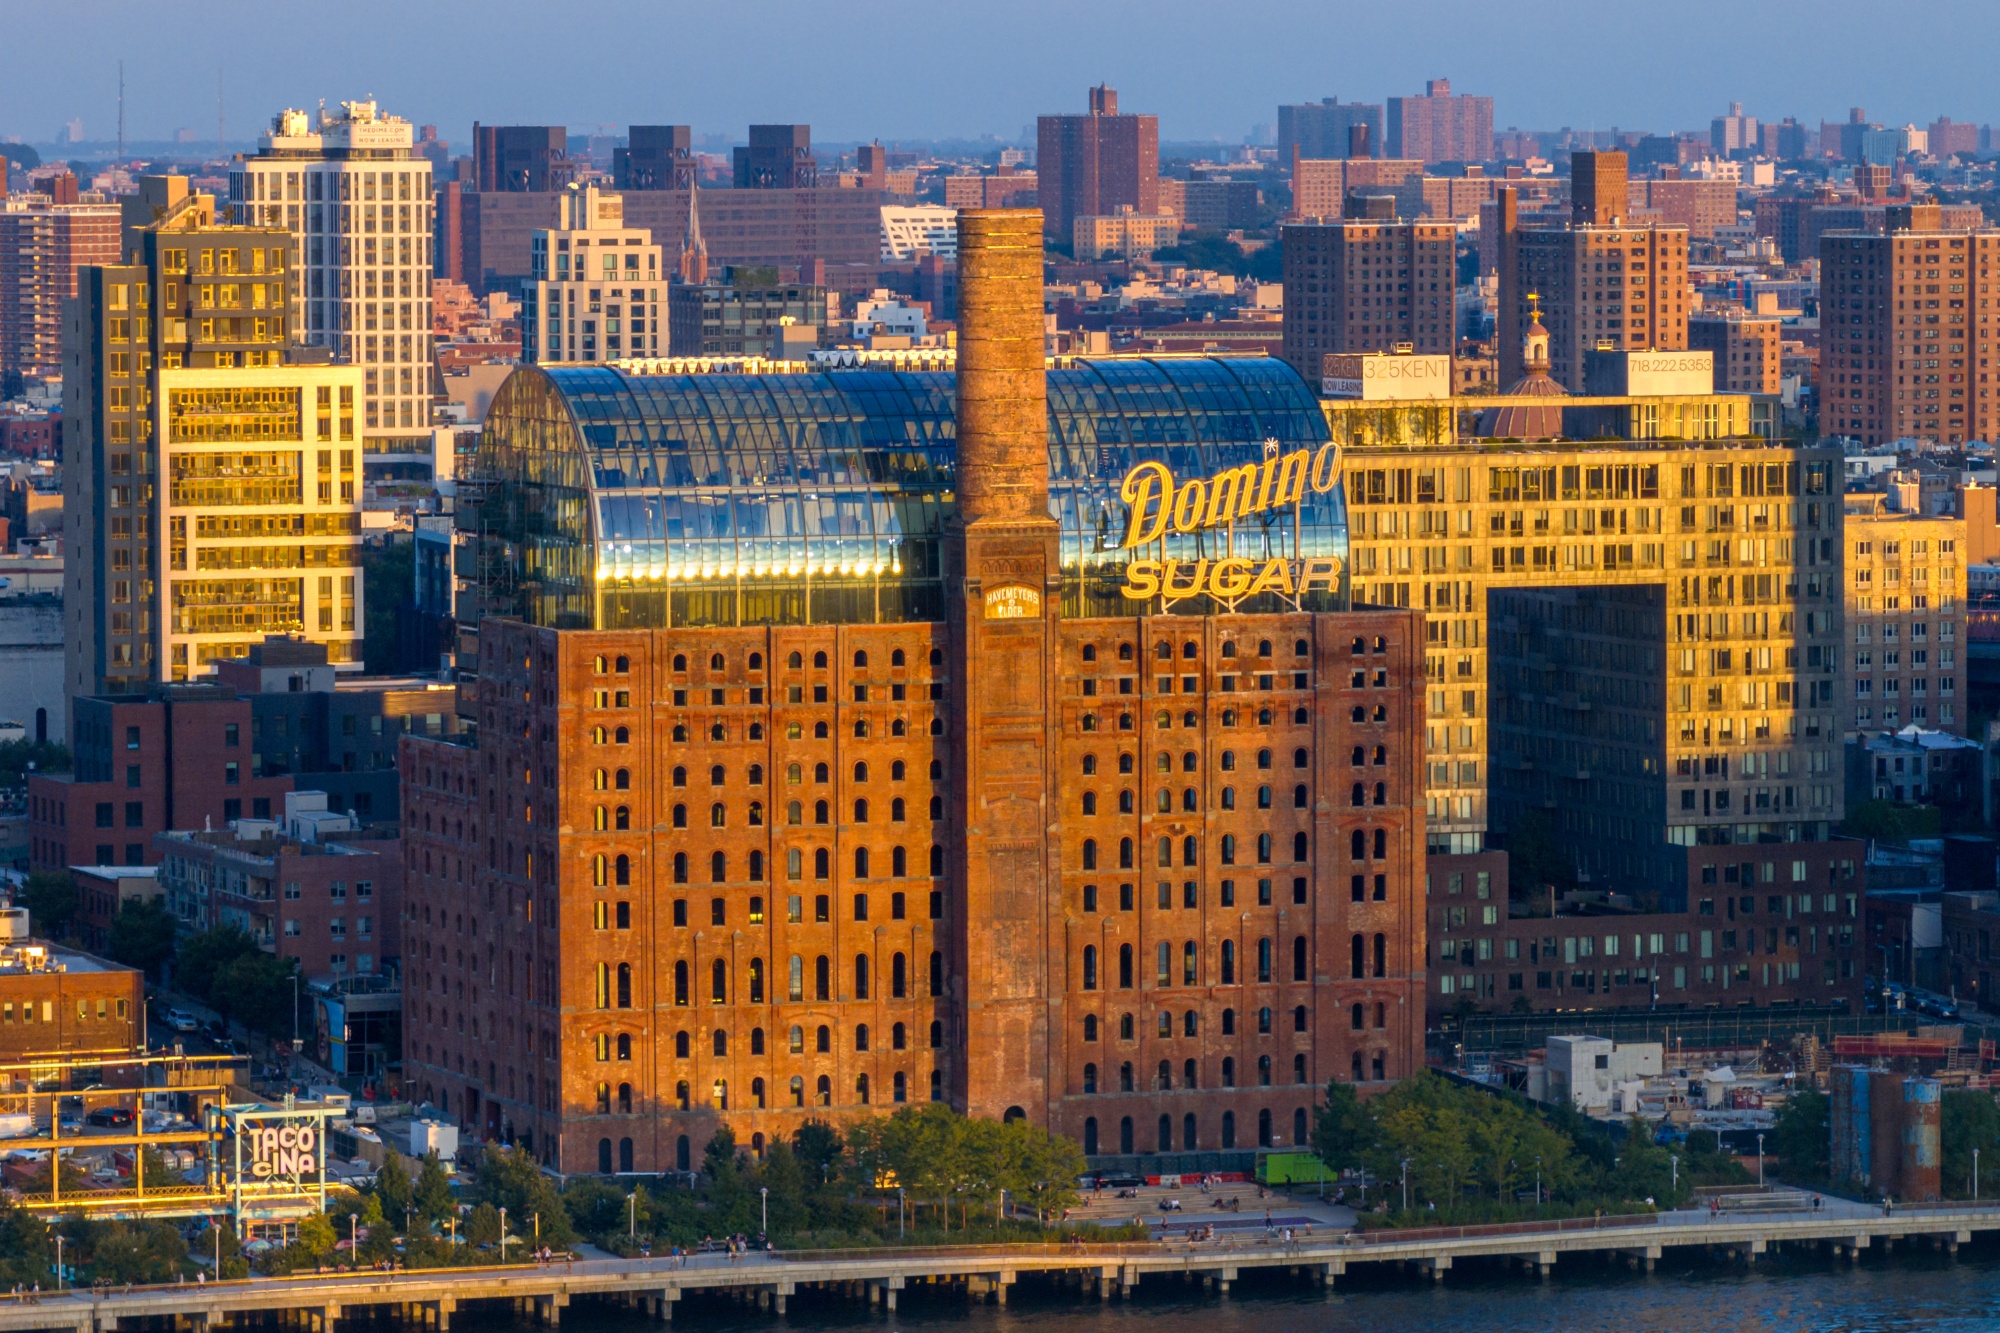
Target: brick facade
832, 746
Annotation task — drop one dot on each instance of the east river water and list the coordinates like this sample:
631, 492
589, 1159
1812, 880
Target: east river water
1911, 1289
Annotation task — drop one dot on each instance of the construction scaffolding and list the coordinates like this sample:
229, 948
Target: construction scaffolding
116, 1135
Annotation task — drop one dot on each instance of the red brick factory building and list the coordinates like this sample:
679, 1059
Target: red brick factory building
850, 738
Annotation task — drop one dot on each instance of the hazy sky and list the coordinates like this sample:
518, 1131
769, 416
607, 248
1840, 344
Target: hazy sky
857, 69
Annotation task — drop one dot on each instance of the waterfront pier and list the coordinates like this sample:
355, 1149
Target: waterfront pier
428, 1298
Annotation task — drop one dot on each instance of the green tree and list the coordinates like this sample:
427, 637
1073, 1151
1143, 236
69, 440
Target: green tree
512, 1179
202, 955
18, 758
1039, 1169
1645, 1169
1801, 1136
142, 936
120, 1252
51, 899
392, 1187
1969, 1120
1344, 1133
597, 1208
1889, 821
26, 1250
433, 1195
482, 1225
255, 988
316, 1236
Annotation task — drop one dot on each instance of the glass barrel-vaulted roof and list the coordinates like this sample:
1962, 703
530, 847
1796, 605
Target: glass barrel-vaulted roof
610, 499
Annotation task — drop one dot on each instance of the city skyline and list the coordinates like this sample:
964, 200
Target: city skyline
1785, 59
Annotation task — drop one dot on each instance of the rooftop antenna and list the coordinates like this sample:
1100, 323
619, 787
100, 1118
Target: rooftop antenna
121, 111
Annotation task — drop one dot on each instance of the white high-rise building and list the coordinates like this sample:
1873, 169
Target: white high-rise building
597, 289
357, 199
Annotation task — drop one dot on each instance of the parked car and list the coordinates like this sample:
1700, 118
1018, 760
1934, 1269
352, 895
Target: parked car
109, 1117
180, 1020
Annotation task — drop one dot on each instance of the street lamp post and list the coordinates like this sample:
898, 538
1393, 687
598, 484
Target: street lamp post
216, 1227
1760, 1160
353, 1241
1538, 1182
1675, 1159
296, 1043
764, 1207
59, 1260
503, 1235
899, 1212
1975, 1175
632, 1215
1406, 1184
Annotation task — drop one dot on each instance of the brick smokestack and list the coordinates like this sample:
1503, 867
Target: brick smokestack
1003, 435
1002, 603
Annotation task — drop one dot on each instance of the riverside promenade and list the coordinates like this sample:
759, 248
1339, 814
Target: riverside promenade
428, 1298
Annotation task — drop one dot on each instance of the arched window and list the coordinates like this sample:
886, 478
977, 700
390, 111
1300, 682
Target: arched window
1090, 1078
1090, 854
861, 1037
1229, 962
1357, 959
721, 1042
823, 1039
757, 1093
937, 973
822, 978
680, 816
1228, 849
899, 981
718, 868
861, 976
718, 983
599, 870
1089, 967
624, 985
861, 863
622, 871
681, 1044
1125, 967
1125, 853
899, 861
1381, 955
1264, 959
681, 986
1298, 958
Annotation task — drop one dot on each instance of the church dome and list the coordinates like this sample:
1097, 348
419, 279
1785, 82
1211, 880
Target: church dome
1529, 421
